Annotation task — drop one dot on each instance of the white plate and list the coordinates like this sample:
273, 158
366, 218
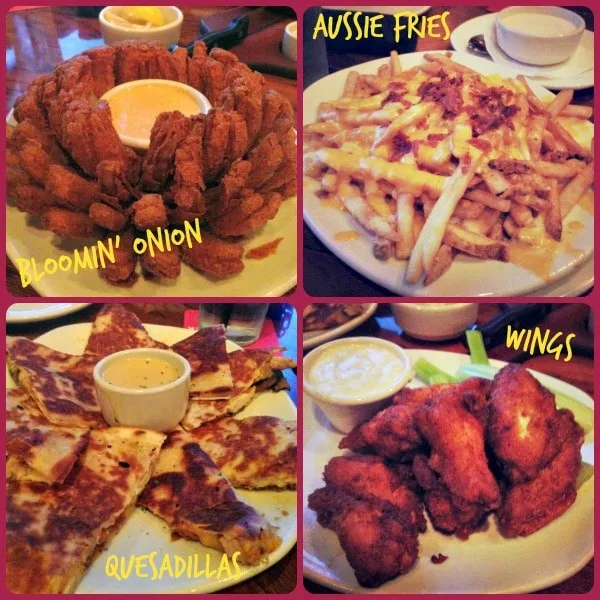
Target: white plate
144, 533
310, 339
486, 563
28, 312
482, 25
467, 276
26, 239
575, 284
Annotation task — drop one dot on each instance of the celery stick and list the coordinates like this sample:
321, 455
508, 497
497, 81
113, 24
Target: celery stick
431, 374
483, 371
585, 472
477, 348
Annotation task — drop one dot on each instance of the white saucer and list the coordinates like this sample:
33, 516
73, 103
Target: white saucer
583, 57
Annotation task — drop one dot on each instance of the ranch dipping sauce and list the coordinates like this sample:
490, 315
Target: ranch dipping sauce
539, 24
140, 373
355, 371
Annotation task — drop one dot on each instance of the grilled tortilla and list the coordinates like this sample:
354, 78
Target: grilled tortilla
53, 532
62, 385
188, 492
253, 453
252, 371
116, 328
206, 351
36, 450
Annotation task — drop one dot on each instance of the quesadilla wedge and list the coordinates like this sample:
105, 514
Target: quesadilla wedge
36, 450
116, 328
188, 491
62, 385
252, 371
253, 453
206, 351
53, 532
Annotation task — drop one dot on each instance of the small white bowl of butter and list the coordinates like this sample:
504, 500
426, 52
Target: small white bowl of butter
143, 387
539, 35
353, 378
135, 106
148, 23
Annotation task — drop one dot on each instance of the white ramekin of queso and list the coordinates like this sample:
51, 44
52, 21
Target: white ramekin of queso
143, 387
353, 378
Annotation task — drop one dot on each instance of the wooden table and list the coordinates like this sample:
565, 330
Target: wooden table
38, 39
325, 274
281, 577
578, 372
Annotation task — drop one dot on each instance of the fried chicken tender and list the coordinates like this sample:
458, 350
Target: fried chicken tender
108, 217
370, 478
456, 439
168, 132
71, 190
265, 158
522, 423
70, 225
215, 257
103, 68
149, 212
90, 137
528, 506
123, 269
374, 535
162, 264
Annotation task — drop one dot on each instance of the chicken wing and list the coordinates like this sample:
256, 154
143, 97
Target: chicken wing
530, 505
370, 478
374, 535
522, 422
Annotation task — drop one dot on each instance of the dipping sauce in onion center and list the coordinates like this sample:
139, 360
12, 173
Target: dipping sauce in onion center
355, 371
140, 373
135, 108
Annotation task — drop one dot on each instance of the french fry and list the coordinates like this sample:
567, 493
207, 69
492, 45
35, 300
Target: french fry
431, 237
384, 71
521, 214
449, 63
427, 203
405, 222
488, 199
531, 200
579, 112
495, 181
350, 85
419, 222
564, 170
560, 102
534, 101
475, 244
395, 66
559, 132
511, 227
535, 134
360, 209
441, 263
572, 192
468, 209
496, 232
482, 224
553, 215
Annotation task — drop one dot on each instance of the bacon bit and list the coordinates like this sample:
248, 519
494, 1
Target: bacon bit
436, 137
466, 160
446, 92
510, 167
492, 110
400, 145
265, 250
438, 559
392, 97
421, 123
480, 144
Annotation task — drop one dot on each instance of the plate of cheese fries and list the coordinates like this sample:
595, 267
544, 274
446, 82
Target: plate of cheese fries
439, 174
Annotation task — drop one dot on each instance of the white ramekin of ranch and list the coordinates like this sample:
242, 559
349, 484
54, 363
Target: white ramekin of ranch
539, 35
353, 378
